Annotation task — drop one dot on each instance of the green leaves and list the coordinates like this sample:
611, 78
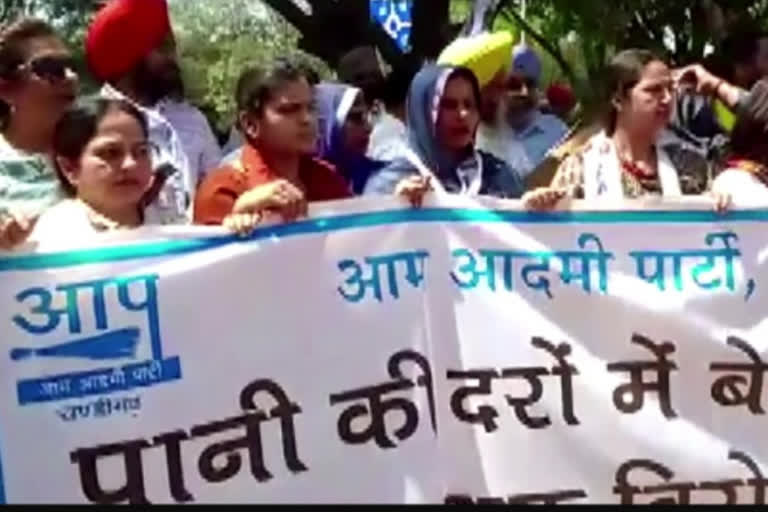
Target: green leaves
577, 37
218, 40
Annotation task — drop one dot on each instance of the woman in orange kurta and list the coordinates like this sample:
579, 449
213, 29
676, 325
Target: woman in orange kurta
275, 171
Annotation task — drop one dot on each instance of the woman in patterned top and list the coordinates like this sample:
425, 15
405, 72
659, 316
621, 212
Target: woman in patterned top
37, 84
625, 160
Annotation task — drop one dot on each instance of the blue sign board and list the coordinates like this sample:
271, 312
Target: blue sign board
395, 17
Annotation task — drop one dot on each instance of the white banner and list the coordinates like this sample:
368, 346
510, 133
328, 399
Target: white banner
461, 353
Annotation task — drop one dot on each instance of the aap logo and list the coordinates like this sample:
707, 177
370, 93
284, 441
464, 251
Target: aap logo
92, 338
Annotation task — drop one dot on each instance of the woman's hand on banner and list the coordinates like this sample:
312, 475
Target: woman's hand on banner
722, 201
543, 198
242, 223
14, 229
279, 196
414, 188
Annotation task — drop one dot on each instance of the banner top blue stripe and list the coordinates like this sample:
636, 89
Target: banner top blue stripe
370, 219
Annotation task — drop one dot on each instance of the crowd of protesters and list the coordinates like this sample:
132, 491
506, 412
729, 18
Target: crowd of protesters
476, 121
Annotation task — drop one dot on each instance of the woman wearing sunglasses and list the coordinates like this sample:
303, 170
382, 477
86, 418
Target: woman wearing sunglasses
37, 84
345, 132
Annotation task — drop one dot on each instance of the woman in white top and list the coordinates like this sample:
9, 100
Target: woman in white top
38, 83
103, 162
625, 161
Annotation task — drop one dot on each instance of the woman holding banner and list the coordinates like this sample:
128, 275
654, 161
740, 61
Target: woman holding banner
276, 172
38, 83
103, 162
625, 161
443, 116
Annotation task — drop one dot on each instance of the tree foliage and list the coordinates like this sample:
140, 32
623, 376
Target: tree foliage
69, 17
682, 31
218, 40
330, 28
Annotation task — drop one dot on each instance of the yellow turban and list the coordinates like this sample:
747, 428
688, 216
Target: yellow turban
485, 54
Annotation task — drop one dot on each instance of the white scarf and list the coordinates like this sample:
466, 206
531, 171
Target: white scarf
469, 172
602, 171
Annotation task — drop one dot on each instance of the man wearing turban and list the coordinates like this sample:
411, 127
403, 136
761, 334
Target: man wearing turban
561, 100
513, 128
130, 47
488, 56
529, 133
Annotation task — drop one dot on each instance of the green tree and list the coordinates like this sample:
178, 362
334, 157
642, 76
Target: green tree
69, 17
579, 36
218, 40
329, 29
682, 31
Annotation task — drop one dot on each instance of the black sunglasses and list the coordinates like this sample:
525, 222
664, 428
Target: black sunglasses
51, 69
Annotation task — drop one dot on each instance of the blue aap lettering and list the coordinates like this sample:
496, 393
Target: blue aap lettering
698, 272
474, 268
119, 343
403, 265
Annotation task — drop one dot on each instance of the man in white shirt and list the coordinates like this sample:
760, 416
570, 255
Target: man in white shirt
523, 135
389, 135
200, 144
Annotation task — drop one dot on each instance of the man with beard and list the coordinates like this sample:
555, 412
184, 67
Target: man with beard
130, 47
200, 144
530, 133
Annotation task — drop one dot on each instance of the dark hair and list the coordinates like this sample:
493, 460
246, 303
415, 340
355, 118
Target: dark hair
310, 72
13, 42
468, 75
741, 47
396, 87
718, 65
256, 86
623, 74
79, 125
748, 137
